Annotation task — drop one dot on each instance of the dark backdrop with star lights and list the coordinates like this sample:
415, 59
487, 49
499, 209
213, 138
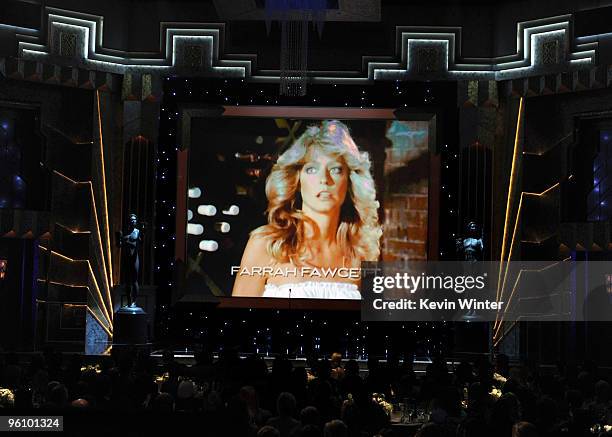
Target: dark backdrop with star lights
293, 331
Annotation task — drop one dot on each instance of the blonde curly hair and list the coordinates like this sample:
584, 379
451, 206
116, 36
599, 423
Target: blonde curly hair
358, 231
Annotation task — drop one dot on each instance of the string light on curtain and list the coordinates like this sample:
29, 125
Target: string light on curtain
294, 17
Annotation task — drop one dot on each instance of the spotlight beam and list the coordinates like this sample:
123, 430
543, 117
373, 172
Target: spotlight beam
95, 282
107, 279
105, 276
511, 183
105, 194
499, 321
518, 277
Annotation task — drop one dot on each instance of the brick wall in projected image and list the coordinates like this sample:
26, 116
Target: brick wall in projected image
405, 200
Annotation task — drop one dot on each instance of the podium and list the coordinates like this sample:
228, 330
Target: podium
130, 326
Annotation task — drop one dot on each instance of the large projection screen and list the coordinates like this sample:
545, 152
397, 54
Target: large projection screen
269, 179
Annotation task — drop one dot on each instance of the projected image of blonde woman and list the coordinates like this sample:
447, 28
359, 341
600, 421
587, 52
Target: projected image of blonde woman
322, 221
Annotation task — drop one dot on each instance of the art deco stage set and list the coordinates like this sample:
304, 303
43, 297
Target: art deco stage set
140, 145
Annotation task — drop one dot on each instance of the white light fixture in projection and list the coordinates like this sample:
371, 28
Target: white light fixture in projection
195, 193
208, 210
209, 245
195, 229
232, 210
189, 214
223, 227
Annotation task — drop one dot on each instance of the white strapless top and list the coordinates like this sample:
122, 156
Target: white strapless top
313, 290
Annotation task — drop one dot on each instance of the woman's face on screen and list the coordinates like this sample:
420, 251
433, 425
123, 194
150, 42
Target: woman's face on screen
323, 182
